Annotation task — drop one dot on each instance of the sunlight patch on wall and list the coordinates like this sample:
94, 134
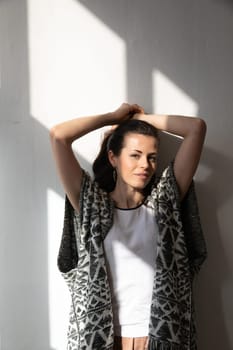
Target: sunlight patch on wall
40, 55
168, 98
77, 63
58, 295
77, 66
94, 58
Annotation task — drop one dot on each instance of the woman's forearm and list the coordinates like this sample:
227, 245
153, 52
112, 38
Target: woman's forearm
73, 129
174, 124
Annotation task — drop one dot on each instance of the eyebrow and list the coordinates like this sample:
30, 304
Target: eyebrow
136, 150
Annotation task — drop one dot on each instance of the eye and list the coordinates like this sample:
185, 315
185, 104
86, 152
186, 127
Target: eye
153, 159
135, 155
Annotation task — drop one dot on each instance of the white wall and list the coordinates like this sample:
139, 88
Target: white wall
65, 58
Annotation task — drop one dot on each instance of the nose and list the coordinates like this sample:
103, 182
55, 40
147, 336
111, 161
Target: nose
144, 163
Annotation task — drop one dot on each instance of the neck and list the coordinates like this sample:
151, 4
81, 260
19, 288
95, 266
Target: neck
127, 197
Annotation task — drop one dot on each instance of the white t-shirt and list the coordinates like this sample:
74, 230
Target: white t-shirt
130, 248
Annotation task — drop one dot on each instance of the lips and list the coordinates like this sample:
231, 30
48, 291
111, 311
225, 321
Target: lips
143, 175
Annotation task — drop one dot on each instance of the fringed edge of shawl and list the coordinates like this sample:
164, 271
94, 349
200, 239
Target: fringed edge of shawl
157, 344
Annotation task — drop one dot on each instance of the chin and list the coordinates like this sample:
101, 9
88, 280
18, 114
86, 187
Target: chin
140, 186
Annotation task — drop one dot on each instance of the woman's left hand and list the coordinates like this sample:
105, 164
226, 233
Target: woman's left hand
125, 112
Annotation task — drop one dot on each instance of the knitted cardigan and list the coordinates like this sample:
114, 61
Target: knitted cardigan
180, 252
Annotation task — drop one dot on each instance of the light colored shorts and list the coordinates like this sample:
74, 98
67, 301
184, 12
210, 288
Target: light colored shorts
123, 343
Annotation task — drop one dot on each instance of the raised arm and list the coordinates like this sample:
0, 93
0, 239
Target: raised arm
63, 135
193, 131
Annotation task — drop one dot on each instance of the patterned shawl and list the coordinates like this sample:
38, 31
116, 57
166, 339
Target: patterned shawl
180, 252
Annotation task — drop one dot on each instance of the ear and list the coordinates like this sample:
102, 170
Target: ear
112, 158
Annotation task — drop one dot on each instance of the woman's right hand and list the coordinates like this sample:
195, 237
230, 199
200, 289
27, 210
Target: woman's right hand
125, 112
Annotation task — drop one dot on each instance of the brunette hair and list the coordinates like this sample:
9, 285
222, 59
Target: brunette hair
114, 141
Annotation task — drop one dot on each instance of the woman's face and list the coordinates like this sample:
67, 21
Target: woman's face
137, 161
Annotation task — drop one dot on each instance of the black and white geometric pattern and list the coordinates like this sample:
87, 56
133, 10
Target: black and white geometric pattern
81, 260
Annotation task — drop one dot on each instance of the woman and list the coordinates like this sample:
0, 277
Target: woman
128, 270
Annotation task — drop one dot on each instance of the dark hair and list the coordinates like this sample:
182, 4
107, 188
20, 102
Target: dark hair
113, 140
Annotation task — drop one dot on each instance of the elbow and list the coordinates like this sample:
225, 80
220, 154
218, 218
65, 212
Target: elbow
200, 127
57, 136
54, 133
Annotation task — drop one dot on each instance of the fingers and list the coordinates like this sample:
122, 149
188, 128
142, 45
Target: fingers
127, 111
135, 108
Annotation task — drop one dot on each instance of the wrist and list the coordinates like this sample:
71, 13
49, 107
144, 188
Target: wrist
109, 119
139, 116
113, 118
